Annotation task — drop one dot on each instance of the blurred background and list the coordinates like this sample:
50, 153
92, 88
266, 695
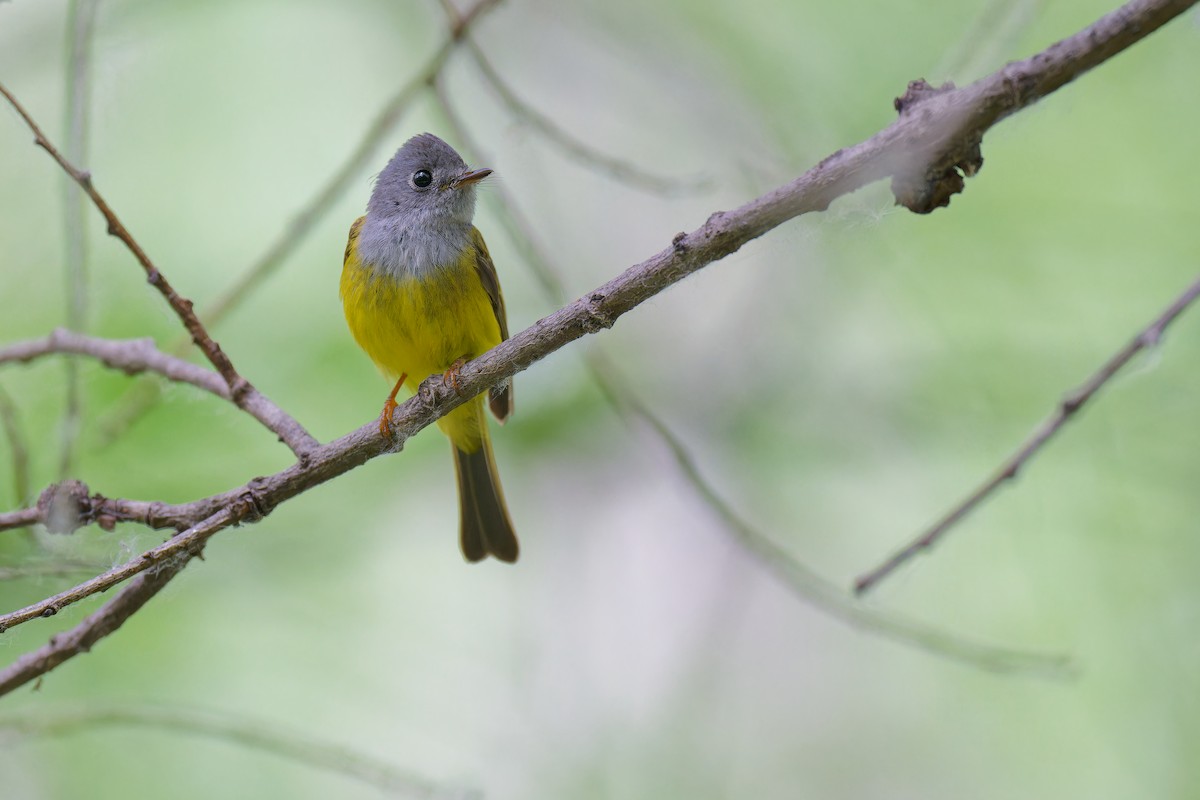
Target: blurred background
839, 384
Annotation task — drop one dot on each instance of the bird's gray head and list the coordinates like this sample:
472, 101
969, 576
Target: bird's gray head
426, 183
419, 215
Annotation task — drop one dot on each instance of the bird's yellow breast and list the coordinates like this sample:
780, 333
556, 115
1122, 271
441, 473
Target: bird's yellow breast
420, 325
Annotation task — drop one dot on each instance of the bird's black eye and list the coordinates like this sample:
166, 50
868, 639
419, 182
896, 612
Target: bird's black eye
422, 178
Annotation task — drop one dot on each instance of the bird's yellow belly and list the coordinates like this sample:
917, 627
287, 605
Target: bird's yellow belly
421, 326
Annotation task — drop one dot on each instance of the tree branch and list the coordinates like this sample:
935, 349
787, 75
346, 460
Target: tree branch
18, 448
570, 144
92, 629
801, 579
81, 22
180, 305
1067, 408
22, 518
133, 356
938, 133
238, 732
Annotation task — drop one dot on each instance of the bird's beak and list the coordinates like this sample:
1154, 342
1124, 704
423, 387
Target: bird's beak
467, 178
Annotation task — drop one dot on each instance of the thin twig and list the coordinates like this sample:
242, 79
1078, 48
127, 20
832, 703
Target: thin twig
621, 170
180, 305
1066, 409
228, 728
185, 544
946, 131
81, 22
92, 629
519, 228
48, 569
814, 589
22, 518
805, 582
990, 35
133, 356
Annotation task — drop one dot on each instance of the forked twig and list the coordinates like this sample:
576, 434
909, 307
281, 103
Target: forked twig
1067, 408
575, 147
229, 728
133, 356
180, 305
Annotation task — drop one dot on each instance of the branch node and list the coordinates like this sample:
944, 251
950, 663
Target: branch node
679, 243
65, 507
427, 393
917, 92
50, 610
252, 505
1071, 403
936, 175
239, 389
597, 317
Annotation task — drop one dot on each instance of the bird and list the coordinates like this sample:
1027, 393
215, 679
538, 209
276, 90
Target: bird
421, 297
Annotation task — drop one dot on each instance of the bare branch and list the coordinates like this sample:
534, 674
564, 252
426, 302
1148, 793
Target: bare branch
991, 34
232, 730
1067, 408
936, 131
805, 582
17, 446
621, 170
45, 569
180, 305
133, 356
808, 584
81, 22
22, 518
186, 544
92, 629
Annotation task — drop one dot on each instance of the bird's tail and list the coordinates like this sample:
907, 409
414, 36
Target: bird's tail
484, 528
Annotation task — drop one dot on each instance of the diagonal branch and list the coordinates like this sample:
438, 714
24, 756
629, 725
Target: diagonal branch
92, 629
619, 169
1067, 408
801, 579
180, 305
240, 732
180, 547
133, 356
81, 23
21, 518
938, 133
18, 448
807, 583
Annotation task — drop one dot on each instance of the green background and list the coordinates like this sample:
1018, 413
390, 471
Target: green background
840, 382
